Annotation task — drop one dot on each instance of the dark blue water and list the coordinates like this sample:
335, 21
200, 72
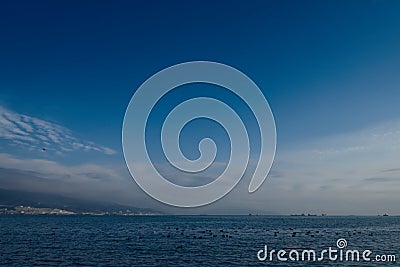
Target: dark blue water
187, 240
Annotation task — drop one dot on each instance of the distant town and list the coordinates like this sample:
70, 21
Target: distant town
28, 210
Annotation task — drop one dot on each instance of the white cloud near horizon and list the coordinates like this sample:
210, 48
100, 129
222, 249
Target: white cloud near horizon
353, 156
34, 133
54, 170
353, 173
90, 181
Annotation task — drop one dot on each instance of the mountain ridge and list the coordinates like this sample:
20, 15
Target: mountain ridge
47, 200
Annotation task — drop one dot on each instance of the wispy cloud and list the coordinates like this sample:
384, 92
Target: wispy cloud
392, 170
342, 163
326, 175
54, 170
34, 133
84, 177
352, 173
83, 181
383, 179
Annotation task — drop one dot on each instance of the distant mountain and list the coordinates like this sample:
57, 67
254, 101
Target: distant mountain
44, 200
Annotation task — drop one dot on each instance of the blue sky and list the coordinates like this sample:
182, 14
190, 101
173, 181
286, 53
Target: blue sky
329, 70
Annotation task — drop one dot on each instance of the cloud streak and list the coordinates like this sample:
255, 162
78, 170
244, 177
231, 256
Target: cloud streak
33, 133
53, 170
353, 173
84, 181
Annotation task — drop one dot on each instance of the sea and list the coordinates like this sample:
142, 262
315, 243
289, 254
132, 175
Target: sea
80, 240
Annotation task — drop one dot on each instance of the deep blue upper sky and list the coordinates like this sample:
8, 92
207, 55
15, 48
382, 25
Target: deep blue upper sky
325, 67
